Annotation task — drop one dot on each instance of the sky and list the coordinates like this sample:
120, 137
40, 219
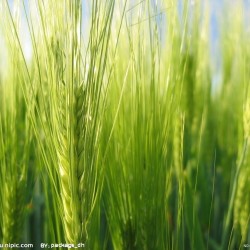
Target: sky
217, 11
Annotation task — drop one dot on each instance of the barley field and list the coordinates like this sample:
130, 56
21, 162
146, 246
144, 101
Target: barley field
125, 124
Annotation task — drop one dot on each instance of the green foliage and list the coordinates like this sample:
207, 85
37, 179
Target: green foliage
114, 135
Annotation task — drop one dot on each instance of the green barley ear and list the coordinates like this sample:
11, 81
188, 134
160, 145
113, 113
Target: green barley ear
15, 161
69, 92
242, 196
72, 180
13, 208
178, 144
241, 205
246, 119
